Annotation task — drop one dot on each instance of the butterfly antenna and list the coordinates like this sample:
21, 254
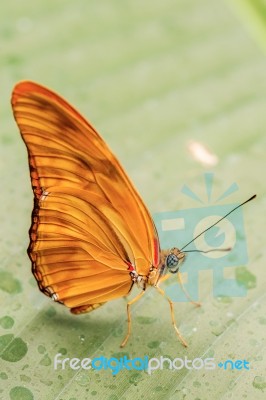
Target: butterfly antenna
207, 251
219, 220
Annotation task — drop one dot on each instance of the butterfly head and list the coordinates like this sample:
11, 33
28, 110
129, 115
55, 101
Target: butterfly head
173, 260
170, 262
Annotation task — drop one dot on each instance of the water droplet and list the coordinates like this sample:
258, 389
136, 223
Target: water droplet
50, 312
259, 382
118, 332
20, 393
41, 349
6, 322
82, 379
112, 387
245, 278
8, 283
3, 375
46, 382
145, 320
218, 330
135, 377
62, 350
15, 350
229, 314
46, 361
25, 378
154, 344
232, 384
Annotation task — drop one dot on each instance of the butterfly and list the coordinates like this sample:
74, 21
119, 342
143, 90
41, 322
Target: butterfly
91, 236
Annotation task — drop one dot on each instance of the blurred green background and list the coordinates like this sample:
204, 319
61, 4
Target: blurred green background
154, 78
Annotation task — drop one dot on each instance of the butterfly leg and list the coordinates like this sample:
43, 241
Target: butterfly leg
182, 340
129, 316
180, 281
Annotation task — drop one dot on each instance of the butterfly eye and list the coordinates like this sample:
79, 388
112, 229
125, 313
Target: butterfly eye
172, 263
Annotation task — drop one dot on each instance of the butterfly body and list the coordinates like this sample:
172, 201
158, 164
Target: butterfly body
91, 236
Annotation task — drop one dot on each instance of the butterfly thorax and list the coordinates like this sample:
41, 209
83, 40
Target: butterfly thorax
169, 262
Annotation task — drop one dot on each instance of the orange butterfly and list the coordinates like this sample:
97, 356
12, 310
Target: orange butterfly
91, 238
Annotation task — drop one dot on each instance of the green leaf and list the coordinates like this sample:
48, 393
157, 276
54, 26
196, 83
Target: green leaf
157, 79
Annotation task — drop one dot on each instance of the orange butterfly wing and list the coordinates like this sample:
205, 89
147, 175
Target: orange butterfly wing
89, 224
